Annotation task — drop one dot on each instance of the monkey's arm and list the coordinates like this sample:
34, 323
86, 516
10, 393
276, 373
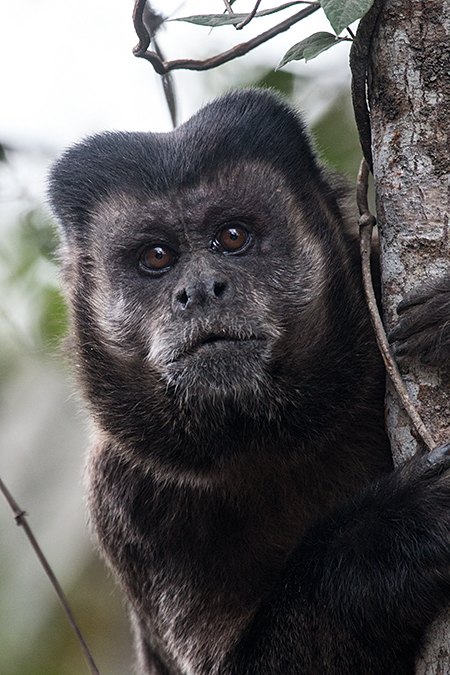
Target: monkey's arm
424, 325
362, 586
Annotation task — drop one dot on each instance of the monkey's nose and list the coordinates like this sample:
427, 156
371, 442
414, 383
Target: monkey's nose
199, 293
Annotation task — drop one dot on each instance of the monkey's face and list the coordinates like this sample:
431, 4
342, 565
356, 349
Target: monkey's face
201, 286
209, 282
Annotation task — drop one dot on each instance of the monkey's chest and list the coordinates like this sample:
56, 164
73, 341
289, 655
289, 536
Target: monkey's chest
194, 575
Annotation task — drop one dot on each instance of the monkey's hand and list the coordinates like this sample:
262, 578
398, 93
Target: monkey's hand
363, 584
423, 329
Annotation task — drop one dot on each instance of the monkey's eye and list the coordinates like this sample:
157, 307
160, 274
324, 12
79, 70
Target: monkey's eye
156, 259
232, 239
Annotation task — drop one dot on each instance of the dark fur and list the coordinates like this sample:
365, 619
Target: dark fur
424, 326
238, 404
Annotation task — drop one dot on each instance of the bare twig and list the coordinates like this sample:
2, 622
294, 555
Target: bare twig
146, 23
20, 519
250, 16
162, 67
139, 26
366, 224
359, 59
169, 89
228, 6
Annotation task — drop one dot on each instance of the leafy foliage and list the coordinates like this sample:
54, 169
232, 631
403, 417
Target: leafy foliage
214, 20
341, 13
52, 320
309, 47
337, 138
31, 302
278, 80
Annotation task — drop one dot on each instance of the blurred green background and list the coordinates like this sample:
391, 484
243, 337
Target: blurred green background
43, 430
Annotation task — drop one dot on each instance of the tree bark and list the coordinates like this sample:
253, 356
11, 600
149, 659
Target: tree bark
409, 97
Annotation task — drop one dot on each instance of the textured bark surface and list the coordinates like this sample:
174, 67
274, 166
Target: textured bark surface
409, 95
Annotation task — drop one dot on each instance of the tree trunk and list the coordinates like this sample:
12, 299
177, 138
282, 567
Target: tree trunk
409, 96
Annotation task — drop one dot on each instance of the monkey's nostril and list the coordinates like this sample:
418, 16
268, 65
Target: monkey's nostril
183, 298
219, 288
199, 293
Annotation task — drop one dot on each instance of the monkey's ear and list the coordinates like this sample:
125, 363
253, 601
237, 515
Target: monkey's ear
90, 171
75, 183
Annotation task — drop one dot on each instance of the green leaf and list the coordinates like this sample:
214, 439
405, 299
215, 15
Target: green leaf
53, 316
213, 20
336, 137
309, 48
281, 80
341, 13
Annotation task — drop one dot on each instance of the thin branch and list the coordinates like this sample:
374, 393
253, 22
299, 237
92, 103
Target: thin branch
169, 89
146, 23
359, 59
366, 224
228, 6
140, 28
20, 519
162, 67
250, 16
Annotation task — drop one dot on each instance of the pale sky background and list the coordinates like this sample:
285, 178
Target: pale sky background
67, 68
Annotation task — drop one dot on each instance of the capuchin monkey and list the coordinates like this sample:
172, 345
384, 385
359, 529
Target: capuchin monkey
240, 481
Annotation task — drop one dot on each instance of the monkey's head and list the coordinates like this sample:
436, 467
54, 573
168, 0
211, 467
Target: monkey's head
197, 265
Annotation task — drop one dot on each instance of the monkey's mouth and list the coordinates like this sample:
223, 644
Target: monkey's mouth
218, 341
